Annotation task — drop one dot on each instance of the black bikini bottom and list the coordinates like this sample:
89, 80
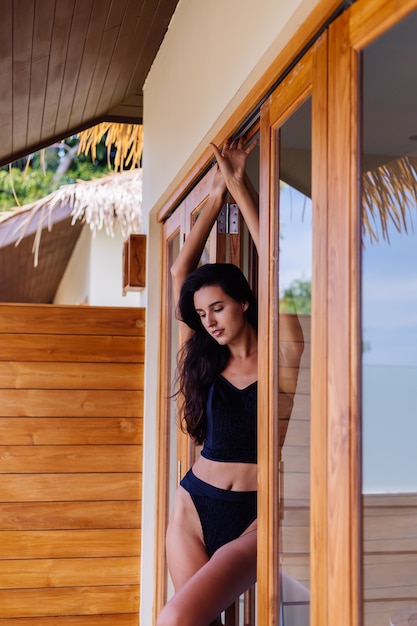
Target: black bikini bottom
224, 514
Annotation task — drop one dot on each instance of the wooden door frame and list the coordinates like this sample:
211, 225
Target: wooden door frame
171, 229
335, 529
365, 21
293, 91
178, 223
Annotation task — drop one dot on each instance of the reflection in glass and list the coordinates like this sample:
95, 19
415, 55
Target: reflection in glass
389, 327
295, 270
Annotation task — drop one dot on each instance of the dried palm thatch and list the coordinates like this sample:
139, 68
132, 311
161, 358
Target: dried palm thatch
389, 196
113, 202
127, 140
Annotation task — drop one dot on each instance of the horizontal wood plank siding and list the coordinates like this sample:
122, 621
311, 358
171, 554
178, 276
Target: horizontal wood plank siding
71, 390
295, 478
389, 520
390, 556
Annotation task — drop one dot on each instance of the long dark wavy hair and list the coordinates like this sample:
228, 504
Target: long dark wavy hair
201, 358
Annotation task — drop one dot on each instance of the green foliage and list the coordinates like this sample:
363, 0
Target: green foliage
23, 183
28, 186
296, 298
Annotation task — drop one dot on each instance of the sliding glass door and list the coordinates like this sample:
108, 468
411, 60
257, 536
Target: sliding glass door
389, 326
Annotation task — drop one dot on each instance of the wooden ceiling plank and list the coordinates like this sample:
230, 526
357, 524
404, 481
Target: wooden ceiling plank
126, 83
42, 36
88, 62
123, 57
47, 73
6, 40
42, 29
119, 14
58, 56
6, 76
78, 36
98, 82
23, 17
116, 14
36, 102
151, 32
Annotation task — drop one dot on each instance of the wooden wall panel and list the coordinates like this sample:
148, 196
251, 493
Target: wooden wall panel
389, 555
81, 514
72, 430
84, 620
53, 375
71, 391
103, 348
295, 477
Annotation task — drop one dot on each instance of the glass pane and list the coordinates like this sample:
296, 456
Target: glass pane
295, 271
389, 327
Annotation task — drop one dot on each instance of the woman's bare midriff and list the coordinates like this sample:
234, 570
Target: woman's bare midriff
231, 476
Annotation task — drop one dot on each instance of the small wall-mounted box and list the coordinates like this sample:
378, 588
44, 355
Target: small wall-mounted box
134, 263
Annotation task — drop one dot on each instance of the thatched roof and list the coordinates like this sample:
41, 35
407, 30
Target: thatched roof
113, 202
47, 231
389, 197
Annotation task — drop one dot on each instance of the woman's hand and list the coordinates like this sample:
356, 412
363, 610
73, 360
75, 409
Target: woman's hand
231, 163
218, 185
232, 160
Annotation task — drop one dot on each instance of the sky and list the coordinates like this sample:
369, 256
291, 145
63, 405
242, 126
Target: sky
296, 237
390, 300
389, 327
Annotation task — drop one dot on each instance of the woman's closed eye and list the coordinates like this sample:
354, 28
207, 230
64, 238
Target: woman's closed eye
202, 314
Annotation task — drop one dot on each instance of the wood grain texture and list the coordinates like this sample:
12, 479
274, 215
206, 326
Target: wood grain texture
319, 369
389, 555
71, 464
59, 601
76, 620
75, 514
68, 320
276, 484
74, 403
29, 573
65, 487
71, 348
267, 548
70, 459
64, 544
70, 431
69, 65
53, 375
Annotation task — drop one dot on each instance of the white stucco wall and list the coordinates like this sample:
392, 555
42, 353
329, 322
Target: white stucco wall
213, 54
94, 274
215, 51
75, 283
106, 273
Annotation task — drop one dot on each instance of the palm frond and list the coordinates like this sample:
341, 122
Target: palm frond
389, 197
127, 140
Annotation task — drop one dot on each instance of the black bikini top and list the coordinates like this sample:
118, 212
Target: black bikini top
231, 423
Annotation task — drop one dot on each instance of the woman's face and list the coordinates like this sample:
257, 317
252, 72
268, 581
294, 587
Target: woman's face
222, 316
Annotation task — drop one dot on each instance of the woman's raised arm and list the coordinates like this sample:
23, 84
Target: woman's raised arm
229, 174
190, 253
232, 162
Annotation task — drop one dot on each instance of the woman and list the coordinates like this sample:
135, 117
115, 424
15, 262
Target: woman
211, 536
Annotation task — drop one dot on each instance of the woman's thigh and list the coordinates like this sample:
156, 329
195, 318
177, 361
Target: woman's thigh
215, 586
185, 548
